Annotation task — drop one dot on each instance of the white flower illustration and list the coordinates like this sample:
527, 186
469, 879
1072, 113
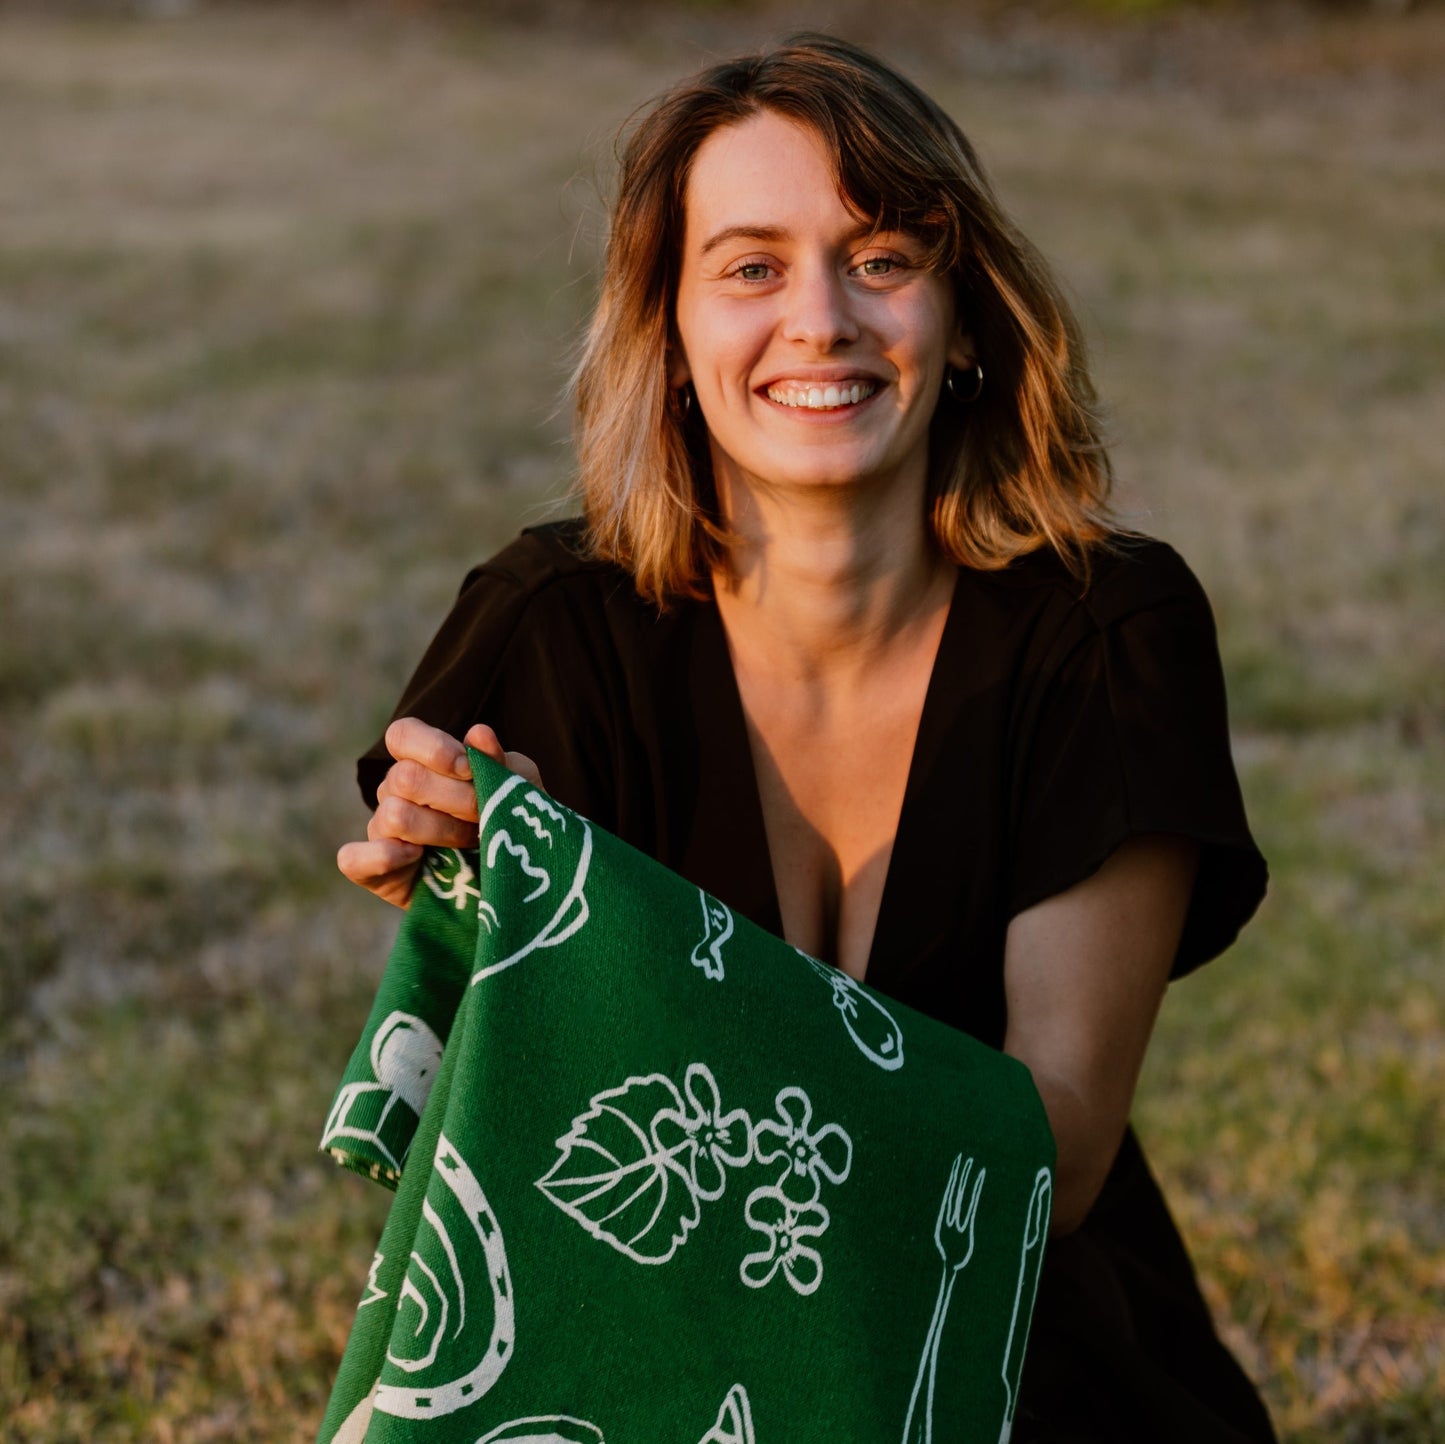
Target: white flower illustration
810, 1155
786, 1226
715, 1141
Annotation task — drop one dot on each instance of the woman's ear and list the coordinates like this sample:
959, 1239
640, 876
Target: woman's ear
962, 355
679, 373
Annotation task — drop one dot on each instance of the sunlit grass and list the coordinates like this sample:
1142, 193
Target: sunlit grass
285, 305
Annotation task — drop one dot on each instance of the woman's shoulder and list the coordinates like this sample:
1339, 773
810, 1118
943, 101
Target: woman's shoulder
1132, 573
543, 556
536, 622
545, 581
544, 593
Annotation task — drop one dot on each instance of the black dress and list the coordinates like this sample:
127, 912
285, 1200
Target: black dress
1055, 726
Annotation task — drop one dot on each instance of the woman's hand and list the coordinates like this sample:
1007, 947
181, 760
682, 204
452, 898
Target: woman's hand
425, 800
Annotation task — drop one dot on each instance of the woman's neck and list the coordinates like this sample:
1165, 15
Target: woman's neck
821, 586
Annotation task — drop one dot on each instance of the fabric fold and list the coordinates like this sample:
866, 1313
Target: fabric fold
660, 1176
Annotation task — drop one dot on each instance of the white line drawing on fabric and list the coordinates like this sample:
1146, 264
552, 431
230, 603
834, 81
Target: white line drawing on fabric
1031, 1257
373, 1290
616, 1179
711, 1140
451, 877
807, 1153
542, 834
635, 1168
544, 1429
953, 1237
734, 1426
557, 922
414, 1295
502, 840
870, 1025
788, 1212
548, 808
445, 1276
734, 1420
405, 1056
785, 1225
717, 928
354, 1426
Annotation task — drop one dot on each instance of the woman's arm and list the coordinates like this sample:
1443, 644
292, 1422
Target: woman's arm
1084, 974
425, 800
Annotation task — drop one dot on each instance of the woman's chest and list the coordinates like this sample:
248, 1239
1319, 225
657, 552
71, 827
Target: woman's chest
877, 845
831, 781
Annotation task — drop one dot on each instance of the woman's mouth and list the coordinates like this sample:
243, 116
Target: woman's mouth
827, 397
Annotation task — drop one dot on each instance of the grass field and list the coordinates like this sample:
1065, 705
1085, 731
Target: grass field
285, 303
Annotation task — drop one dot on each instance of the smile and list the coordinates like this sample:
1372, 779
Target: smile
821, 398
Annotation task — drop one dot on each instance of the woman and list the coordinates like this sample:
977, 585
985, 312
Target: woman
846, 638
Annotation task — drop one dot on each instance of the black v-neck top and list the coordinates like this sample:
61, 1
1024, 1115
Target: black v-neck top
1058, 721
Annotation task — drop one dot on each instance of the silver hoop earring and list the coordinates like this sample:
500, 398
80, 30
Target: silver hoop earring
965, 398
682, 400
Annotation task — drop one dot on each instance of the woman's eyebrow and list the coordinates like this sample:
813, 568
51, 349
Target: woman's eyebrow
743, 233
772, 234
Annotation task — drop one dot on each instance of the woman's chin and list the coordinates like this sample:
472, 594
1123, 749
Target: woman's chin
838, 477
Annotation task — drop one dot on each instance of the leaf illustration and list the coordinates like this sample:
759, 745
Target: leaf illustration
614, 1180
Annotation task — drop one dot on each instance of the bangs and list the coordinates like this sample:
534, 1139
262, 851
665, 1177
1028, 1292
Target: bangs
900, 162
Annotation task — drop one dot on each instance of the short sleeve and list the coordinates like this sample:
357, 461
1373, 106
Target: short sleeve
521, 650
1126, 731
449, 683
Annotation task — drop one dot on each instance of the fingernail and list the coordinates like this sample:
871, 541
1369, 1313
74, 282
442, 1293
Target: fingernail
462, 767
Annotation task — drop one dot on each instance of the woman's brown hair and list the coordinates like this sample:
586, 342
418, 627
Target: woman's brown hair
1022, 467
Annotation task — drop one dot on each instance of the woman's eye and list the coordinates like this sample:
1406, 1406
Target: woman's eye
878, 266
752, 271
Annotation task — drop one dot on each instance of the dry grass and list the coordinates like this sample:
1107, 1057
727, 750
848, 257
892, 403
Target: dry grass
284, 302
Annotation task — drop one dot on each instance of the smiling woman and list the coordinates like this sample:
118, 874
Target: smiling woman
846, 638
815, 342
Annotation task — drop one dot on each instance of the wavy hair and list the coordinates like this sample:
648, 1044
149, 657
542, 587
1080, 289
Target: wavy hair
1021, 468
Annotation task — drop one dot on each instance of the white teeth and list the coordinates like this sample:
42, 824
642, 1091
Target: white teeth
821, 398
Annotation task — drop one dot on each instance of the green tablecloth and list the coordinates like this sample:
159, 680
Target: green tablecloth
663, 1179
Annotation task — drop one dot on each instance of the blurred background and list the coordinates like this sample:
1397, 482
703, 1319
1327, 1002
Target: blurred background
287, 297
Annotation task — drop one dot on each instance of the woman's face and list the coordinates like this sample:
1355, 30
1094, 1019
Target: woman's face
816, 347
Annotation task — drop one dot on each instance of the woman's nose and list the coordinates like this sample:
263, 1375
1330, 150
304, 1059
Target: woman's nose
819, 309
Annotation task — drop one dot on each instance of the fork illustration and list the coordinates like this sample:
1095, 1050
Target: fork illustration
953, 1236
